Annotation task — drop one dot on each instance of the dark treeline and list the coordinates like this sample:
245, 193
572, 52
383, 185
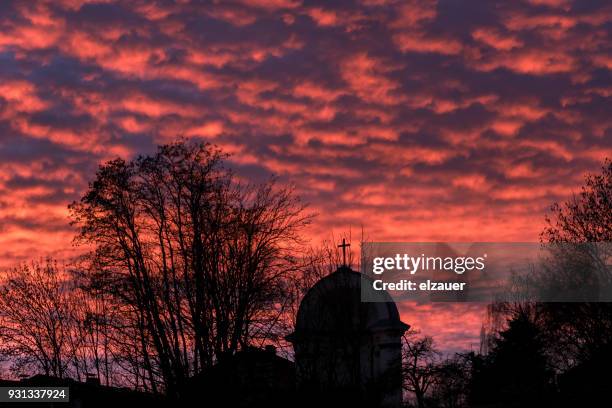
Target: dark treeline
535, 354
185, 264
557, 354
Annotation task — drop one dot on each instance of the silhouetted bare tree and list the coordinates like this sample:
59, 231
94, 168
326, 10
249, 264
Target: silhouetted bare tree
573, 339
586, 217
582, 332
420, 365
582, 329
90, 322
450, 389
193, 260
35, 316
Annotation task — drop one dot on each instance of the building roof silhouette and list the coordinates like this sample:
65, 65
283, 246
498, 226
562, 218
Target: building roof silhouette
335, 304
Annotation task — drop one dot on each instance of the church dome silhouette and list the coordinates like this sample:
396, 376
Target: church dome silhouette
346, 346
334, 304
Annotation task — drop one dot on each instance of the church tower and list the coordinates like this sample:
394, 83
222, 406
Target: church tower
346, 350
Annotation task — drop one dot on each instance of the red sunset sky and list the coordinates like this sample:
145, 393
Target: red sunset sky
421, 121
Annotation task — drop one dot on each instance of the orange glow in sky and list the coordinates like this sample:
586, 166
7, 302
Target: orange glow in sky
418, 121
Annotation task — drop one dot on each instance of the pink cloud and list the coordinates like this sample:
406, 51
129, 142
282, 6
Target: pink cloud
415, 120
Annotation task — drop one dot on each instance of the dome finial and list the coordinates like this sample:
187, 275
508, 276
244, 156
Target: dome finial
344, 245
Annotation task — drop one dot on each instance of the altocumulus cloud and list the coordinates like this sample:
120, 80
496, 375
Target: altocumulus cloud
447, 120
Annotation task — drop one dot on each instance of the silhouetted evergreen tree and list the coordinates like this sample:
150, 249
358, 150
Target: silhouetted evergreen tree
516, 372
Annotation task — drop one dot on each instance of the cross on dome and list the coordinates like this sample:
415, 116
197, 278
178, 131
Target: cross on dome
344, 245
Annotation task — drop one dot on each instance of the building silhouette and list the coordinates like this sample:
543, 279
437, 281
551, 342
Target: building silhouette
250, 378
347, 350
